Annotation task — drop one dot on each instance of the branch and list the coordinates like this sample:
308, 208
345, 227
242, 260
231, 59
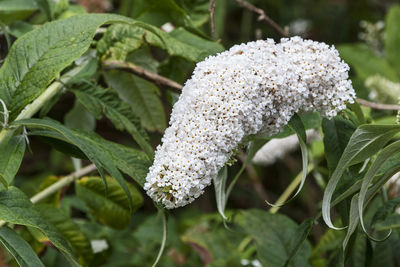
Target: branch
211, 9
62, 182
264, 17
146, 74
373, 105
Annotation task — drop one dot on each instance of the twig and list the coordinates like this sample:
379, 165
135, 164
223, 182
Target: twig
264, 17
58, 185
62, 182
148, 75
211, 9
373, 105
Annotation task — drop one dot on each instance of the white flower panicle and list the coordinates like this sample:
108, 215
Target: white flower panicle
251, 88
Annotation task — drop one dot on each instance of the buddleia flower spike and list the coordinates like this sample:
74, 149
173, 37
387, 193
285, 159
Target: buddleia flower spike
250, 89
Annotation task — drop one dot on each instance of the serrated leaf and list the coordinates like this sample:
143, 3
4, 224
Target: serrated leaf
38, 56
100, 101
70, 231
392, 37
19, 248
101, 158
365, 142
110, 206
274, 234
127, 159
365, 62
141, 95
120, 40
11, 155
16, 208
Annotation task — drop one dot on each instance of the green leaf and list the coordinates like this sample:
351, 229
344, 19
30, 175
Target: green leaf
365, 62
220, 194
16, 208
38, 56
70, 231
109, 205
386, 217
127, 159
337, 133
392, 221
101, 158
301, 235
99, 101
274, 235
13, 10
193, 40
79, 118
141, 95
365, 142
383, 155
11, 155
392, 37
121, 39
19, 248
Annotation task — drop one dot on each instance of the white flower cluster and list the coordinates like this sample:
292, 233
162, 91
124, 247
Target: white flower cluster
249, 89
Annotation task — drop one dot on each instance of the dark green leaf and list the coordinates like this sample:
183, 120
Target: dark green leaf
301, 235
79, 118
70, 231
16, 208
141, 95
101, 101
120, 40
337, 133
127, 159
101, 158
38, 56
274, 235
110, 206
19, 248
11, 155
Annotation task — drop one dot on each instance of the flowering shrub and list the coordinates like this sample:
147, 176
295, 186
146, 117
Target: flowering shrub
90, 96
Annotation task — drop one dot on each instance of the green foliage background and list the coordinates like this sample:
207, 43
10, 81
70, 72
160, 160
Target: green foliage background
69, 98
